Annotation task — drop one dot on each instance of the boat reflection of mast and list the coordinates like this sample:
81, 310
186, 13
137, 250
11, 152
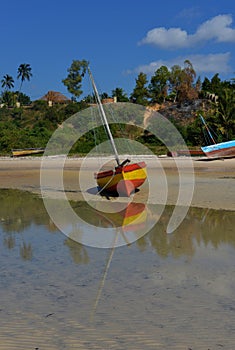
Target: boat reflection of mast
106, 271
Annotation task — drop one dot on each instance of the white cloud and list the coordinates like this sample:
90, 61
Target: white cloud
211, 63
218, 28
166, 38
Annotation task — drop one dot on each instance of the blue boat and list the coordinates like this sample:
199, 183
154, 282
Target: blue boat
218, 150
223, 149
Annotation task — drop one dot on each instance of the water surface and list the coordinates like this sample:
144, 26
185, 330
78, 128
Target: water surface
162, 292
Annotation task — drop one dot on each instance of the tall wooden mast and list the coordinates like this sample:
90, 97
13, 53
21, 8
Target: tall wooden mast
104, 119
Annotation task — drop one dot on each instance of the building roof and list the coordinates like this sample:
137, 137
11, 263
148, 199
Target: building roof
55, 96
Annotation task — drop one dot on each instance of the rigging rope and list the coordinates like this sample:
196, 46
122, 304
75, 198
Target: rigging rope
104, 187
124, 142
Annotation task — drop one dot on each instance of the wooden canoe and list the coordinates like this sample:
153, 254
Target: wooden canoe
26, 151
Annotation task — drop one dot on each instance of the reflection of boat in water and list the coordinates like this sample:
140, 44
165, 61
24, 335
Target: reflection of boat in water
20, 152
130, 218
217, 150
23, 210
125, 178
105, 225
134, 216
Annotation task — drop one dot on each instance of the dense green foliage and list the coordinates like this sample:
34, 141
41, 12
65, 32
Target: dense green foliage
177, 92
32, 126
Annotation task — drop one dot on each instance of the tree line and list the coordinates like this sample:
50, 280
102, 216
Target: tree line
178, 84
176, 87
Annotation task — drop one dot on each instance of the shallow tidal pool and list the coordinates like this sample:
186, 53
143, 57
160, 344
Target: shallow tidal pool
163, 291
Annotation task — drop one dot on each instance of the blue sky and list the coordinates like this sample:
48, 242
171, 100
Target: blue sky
119, 39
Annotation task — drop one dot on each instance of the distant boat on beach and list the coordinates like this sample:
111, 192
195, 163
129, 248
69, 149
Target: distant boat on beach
20, 152
218, 150
186, 152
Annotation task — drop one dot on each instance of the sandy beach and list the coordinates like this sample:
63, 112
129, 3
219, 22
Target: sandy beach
213, 186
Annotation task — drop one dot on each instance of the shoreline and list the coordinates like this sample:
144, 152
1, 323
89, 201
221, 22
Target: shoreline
213, 187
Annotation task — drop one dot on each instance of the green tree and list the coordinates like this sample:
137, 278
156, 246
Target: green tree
159, 85
186, 88
8, 98
104, 95
23, 98
140, 93
175, 80
24, 73
206, 85
76, 72
7, 82
215, 84
120, 95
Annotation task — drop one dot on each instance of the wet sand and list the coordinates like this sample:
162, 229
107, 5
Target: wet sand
213, 188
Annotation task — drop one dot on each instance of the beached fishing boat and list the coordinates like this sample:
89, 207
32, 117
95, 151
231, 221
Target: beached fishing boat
20, 152
125, 178
218, 150
223, 149
186, 153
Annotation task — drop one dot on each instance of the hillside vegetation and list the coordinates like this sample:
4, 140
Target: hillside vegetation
32, 126
177, 94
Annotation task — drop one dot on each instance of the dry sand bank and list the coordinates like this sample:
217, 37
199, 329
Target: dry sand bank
214, 180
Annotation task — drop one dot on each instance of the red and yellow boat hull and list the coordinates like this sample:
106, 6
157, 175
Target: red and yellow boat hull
123, 180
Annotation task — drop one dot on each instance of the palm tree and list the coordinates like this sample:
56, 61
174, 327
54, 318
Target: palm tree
226, 112
7, 82
24, 73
